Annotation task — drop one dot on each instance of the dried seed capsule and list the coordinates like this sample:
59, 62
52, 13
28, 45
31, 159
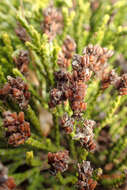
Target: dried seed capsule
58, 161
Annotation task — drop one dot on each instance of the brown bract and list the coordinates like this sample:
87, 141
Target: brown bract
18, 130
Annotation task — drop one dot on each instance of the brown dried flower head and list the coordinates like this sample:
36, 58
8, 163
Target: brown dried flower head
108, 78
18, 130
98, 56
58, 161
17, 89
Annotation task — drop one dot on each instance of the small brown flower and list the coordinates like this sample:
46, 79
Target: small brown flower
58, 161
6, 183
22, 61
18, 130
17, 89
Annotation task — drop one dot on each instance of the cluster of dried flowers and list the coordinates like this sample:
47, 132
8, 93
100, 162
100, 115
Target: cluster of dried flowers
85, 181
66, 54
83, 133
58, 161
22, 61
17, 129
6, 183
94, 59
52, 23
72, 87
17, 90
119, 82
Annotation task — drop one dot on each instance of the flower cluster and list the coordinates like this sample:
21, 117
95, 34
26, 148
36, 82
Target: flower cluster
94, 59
22, 61
18, 130
65, 55
17, 89
85, 181
58, 161
98, 57
85, 135
6, 183
84, 130
53, 22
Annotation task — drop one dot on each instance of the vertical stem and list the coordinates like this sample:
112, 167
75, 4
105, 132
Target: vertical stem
57, 132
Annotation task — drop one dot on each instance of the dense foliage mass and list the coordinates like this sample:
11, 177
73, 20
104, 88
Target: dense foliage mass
63, 87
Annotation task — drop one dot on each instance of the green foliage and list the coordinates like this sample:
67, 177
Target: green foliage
105, 25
